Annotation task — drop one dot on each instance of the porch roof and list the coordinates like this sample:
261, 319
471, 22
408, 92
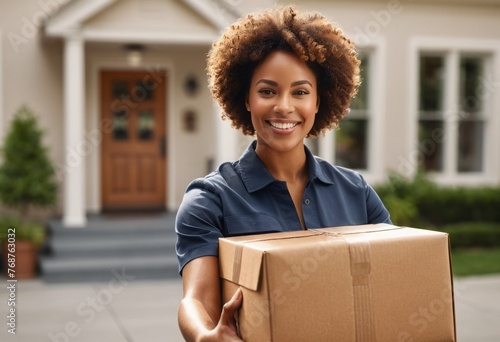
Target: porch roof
132, 21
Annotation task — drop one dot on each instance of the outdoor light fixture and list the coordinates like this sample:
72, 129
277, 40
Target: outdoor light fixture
134, 54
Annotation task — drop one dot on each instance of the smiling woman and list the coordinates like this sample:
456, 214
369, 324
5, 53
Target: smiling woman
283, 101
280, 75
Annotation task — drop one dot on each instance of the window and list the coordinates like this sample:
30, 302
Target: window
351, 139
451, 112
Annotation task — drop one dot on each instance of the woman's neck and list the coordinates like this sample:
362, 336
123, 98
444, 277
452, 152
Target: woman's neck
290, 166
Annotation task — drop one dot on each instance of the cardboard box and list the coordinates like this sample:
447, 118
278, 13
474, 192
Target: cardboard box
359, 283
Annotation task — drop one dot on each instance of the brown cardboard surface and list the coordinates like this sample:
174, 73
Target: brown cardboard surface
361, 283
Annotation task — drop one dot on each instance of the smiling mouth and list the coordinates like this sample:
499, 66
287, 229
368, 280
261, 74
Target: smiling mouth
283, 125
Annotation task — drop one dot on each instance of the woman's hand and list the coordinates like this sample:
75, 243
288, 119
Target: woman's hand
201, 317
226, 329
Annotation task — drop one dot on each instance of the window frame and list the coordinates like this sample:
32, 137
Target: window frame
453, 50
374, 173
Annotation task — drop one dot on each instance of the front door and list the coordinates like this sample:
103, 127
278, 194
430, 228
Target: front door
134, 145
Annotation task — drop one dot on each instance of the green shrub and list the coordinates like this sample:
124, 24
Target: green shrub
459, 204
436, 205
473, 234
403, 212
27, 177
401, 196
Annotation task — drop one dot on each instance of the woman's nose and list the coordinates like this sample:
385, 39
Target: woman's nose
284, 105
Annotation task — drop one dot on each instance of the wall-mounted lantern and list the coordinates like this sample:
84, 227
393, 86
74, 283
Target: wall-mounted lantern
190, 121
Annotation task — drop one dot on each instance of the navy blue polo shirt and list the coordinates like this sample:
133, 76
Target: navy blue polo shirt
242, 198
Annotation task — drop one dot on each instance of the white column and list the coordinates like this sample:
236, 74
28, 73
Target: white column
227, 139
326, 147
74, 127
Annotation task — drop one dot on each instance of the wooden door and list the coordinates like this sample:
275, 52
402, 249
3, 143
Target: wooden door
134, 142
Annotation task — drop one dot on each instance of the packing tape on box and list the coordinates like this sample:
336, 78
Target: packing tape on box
238, 252
360, 262
359, 253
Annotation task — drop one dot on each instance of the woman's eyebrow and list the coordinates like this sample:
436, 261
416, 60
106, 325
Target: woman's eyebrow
296, 83
271, 83
275, 84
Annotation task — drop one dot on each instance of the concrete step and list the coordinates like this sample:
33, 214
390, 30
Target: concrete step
141, 247
94, 245
104, 266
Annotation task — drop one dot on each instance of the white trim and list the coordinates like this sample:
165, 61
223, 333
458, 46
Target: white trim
452, 48
450, 120
71, 17
152, 37
376, 50
494, 126
226, 138
95, 65
74, 125
218, 14
377, 96
408, 164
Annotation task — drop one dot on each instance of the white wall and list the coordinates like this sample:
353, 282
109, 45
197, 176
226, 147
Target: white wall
32, 71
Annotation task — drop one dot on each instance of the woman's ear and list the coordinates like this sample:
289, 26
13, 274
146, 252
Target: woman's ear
247, 103
317, 105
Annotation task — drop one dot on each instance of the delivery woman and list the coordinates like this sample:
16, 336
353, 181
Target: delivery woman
280, 75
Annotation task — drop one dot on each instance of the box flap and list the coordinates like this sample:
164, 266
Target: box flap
233, 257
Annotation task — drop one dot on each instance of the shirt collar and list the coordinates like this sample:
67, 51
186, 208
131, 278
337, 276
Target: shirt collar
255, 175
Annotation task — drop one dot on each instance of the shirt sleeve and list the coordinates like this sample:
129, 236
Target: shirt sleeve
198, 223
375, 209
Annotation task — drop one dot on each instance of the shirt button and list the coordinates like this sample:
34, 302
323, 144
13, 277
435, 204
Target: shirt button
307, 201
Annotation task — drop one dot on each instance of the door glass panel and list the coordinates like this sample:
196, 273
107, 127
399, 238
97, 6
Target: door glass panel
120, 125
143, 90
146, 125
119, 89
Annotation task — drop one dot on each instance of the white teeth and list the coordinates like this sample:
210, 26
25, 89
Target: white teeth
283, 125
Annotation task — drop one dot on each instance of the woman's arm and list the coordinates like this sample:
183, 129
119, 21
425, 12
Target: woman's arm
200, 315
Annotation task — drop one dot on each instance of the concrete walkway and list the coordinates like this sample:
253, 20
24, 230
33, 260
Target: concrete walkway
124, 309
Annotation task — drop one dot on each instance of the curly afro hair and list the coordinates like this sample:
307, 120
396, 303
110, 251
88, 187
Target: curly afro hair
321, 45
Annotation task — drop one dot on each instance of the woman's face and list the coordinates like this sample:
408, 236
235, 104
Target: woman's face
283, 101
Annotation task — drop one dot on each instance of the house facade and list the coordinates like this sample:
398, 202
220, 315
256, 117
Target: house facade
120, 88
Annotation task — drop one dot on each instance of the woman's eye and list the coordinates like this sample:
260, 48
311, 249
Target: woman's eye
301, 92
266, 91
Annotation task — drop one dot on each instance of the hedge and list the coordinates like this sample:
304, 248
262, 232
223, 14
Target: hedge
420, 201
473, 234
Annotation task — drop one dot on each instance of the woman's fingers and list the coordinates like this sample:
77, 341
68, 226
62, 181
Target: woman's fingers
229, 310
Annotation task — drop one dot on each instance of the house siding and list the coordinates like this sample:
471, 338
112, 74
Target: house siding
32, 74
